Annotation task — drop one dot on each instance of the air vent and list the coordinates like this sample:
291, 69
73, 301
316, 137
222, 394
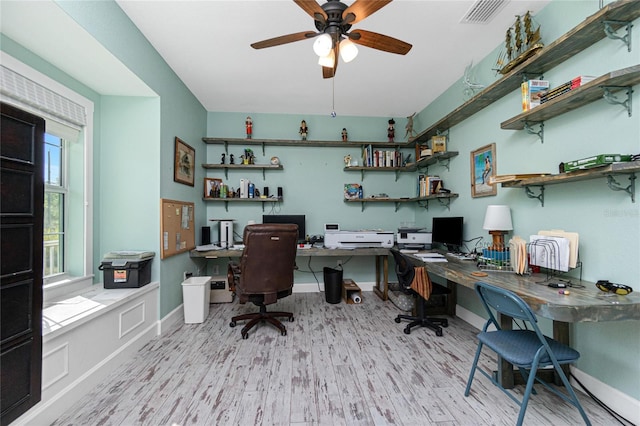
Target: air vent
483, 11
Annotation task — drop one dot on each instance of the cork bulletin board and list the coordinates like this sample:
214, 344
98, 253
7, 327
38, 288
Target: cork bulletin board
177, 227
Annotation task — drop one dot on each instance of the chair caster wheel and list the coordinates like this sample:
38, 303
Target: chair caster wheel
291, 319
232, 324
397, 320
445, 324
438, 332
245, 336
283, 332
407, 330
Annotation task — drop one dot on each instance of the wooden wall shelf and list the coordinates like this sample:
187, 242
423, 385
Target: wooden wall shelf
590, 92
292, 142
444, 199
627, 168
226, 201
590, 31
228, 167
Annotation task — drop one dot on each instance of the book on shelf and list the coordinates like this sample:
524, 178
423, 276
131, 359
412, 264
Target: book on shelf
531, 91
428, 185
574, 83
352, 191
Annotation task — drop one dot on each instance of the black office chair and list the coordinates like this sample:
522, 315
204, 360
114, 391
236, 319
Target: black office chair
406, 272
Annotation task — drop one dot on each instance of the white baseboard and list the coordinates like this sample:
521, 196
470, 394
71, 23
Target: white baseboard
315, 287
48, 411
621, 403
172, 318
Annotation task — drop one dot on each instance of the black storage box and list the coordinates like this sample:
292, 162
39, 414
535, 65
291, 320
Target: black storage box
126, 269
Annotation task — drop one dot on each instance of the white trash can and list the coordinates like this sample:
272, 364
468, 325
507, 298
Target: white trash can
196, 296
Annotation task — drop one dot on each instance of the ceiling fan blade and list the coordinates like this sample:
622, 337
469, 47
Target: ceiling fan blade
360, 9
380, 42
328, 72
289, 38
313, 9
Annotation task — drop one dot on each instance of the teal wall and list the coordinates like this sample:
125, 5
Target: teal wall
607, 221
126, 190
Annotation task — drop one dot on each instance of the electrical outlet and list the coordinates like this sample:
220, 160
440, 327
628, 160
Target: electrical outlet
215, 270
186, 275
339, 263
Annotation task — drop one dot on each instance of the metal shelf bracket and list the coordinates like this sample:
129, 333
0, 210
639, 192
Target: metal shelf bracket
630, 189
424, 204
446, 203
613, 99
611, 33
445, 163
531, 131
539, 197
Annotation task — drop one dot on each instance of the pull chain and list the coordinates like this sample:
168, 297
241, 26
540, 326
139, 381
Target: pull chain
333, 96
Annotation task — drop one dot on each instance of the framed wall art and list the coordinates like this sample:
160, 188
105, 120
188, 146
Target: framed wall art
483, 166
184, 163
212, 187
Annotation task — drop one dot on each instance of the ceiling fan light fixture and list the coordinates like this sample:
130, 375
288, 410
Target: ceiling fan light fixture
326, 61
322, 45
348, 50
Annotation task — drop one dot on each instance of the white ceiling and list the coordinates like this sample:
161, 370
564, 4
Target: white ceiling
207, 44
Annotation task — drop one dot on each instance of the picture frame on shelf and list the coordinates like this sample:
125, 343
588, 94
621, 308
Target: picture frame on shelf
184, 163
210, 185
483, 168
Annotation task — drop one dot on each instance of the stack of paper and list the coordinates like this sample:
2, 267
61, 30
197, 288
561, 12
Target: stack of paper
431, 257
555, 249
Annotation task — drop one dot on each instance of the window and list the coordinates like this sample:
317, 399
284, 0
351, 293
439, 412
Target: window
68, 210
54, 205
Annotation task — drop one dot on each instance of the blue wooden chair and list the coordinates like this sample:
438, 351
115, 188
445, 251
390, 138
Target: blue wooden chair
527, 349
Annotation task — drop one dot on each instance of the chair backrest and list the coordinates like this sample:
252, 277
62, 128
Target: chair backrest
404, 268
504, 302
268, 260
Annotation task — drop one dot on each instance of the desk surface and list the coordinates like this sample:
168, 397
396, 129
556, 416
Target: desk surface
581, 304
314, 251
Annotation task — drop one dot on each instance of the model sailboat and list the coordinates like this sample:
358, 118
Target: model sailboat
521, 42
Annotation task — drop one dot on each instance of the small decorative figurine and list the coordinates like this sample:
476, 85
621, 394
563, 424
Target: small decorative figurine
345, 137
347, 160
249, 125
303, 130
409, 126
231, 159
391, 131
223, 158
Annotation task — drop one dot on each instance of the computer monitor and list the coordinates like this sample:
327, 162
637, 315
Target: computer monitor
448, 232
297, 219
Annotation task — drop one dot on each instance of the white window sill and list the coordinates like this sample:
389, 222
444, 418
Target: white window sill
68, 313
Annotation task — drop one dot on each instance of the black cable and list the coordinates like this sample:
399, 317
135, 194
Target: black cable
609, 410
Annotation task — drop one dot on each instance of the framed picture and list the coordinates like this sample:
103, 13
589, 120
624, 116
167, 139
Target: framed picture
184, 163
483, 165
210, 186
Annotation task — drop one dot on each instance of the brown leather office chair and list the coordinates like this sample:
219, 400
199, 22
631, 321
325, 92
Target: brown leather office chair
265, 272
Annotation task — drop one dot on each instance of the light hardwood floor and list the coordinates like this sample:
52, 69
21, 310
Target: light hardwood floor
338, 365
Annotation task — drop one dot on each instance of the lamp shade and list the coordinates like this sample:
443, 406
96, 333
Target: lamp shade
497, 218
323, 45
348, 50
326, 61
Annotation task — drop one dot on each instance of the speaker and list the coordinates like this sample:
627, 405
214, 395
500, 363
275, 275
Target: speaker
265, 191
279, 192
206, 235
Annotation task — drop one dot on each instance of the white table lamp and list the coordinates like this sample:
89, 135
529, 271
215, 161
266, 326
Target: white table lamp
497, 220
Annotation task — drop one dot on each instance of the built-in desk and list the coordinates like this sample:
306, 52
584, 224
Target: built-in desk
581, 305
381, 260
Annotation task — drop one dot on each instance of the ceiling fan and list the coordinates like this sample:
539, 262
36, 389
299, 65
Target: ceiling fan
333, 21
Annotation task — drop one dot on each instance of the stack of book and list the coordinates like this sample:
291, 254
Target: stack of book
531, 91
380, 158
564, 88
428, 185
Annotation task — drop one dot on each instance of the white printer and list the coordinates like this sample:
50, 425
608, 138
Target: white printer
358, 239
413, 238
